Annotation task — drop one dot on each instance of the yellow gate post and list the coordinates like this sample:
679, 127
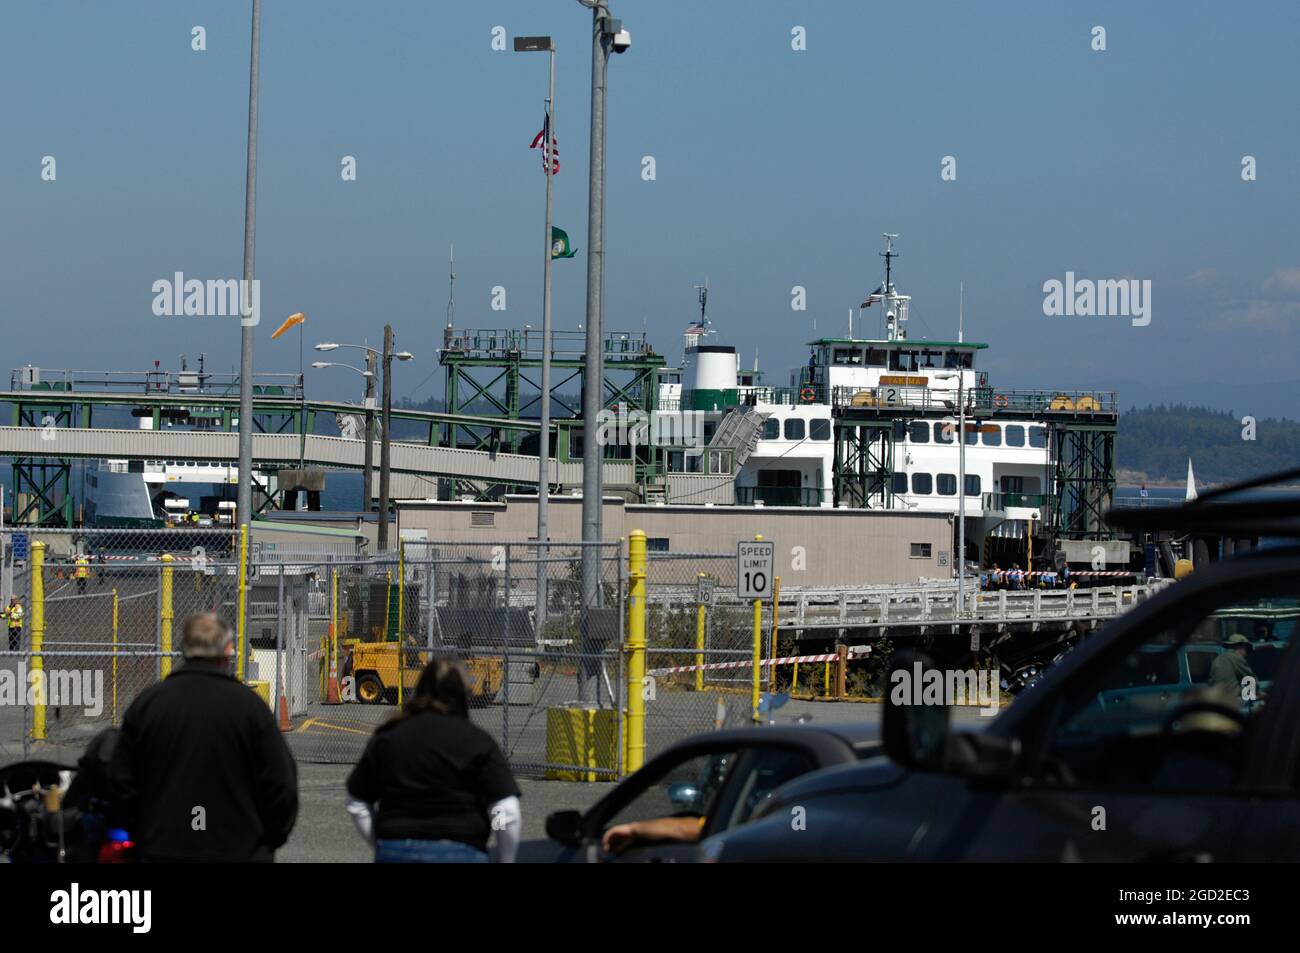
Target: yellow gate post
115, 656
241, 628
700, 611
401, 649
166, 615
756, 685
776, 628
634, 749
38, 639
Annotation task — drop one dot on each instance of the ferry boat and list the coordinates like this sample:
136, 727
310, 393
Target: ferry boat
876, 421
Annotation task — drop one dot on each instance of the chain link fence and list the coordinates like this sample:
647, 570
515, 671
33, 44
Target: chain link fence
334, 641
699, 647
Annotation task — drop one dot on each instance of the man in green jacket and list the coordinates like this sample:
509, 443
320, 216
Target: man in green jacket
1230, 669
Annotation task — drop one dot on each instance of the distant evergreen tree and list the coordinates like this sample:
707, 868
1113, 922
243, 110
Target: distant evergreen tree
1158, 440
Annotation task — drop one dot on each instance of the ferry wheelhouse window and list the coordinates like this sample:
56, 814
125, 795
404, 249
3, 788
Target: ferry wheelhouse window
920, 550
943, 432
877, 357
919, 432
946, 484
972, 484
992, 437
1038, 437
794, 429
771, 429
848, 355
922, 483
819, 428
1015, 435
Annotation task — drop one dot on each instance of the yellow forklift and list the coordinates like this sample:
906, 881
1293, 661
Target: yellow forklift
374, 666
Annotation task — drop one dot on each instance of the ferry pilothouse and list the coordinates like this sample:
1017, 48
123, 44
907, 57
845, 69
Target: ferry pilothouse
874, 422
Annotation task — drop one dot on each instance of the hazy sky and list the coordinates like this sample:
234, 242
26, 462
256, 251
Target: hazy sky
774, 168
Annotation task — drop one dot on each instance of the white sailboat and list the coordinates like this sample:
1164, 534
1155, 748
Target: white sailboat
1191, 482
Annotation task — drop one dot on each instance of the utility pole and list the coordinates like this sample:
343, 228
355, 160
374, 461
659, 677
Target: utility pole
370, 432
593, 369
527, 44
244, 488
385, 439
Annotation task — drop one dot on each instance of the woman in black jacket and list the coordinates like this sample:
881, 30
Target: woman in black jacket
431, 786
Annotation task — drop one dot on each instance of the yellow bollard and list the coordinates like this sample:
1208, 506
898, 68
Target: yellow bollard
401, 648
776, 630
756, 686
700, 611
167, 615
826, 678
38, 639
115, 656
634, 749
794, 680
243, 603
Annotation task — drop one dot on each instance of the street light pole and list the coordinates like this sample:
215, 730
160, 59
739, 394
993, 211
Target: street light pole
370, 432
244, 488
961, 494
593, 367
385, 437
547, 44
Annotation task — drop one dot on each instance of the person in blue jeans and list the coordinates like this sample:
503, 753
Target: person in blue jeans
431, 786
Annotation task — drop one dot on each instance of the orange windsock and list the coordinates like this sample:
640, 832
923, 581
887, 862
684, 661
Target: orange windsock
289, 322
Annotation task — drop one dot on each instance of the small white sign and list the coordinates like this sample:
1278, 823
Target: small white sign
704, 591
755, 562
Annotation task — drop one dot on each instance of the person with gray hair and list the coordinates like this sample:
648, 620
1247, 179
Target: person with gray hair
200, 771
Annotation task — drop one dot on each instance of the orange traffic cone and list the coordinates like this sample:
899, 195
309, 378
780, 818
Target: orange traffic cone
332, 694
285, 723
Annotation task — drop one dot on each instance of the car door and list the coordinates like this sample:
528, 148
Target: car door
1123, 764
723, 787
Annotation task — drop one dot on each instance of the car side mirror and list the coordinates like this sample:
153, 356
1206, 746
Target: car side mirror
914, 734
565, 827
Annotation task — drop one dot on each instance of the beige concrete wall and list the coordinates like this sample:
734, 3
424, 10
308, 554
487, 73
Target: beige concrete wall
835, 547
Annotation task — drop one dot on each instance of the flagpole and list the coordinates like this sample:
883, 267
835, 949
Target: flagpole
544, 429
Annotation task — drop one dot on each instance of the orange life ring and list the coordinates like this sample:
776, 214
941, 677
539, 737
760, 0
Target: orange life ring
807, 395
1000, 401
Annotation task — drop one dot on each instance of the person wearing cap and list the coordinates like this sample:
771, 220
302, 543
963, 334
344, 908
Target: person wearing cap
200, 771
1230, 669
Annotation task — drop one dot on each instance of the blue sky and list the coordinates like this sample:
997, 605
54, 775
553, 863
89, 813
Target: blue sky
775, 168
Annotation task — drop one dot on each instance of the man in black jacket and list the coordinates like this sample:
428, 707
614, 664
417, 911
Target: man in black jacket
201, 772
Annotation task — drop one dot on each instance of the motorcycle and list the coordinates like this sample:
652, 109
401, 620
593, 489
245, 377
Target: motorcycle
58, 813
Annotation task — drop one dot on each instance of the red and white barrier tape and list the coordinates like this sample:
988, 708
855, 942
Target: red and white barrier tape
748, 663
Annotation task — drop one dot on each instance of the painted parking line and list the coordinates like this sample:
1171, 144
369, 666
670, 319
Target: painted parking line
317, 723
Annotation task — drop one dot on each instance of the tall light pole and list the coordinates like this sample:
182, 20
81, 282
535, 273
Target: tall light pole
386, 358
961, 487
529, 44
607, 33
244, 488
369, 375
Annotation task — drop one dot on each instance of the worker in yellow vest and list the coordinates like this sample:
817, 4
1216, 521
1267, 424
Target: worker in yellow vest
14, 620
82, 572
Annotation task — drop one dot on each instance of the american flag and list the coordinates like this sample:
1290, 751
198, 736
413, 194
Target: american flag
541, 138
872, 297
696, 328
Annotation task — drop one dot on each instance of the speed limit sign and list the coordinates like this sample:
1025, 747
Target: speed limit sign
755, 562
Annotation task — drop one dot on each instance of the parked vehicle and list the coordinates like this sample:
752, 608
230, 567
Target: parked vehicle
722, 777
1100, 760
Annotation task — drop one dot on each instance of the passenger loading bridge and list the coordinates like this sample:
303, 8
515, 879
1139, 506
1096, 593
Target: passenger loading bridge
195, 418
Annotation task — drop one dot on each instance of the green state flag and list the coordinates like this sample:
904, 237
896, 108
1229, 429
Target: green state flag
560, 247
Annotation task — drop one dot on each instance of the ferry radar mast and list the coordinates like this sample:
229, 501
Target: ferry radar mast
894, 303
